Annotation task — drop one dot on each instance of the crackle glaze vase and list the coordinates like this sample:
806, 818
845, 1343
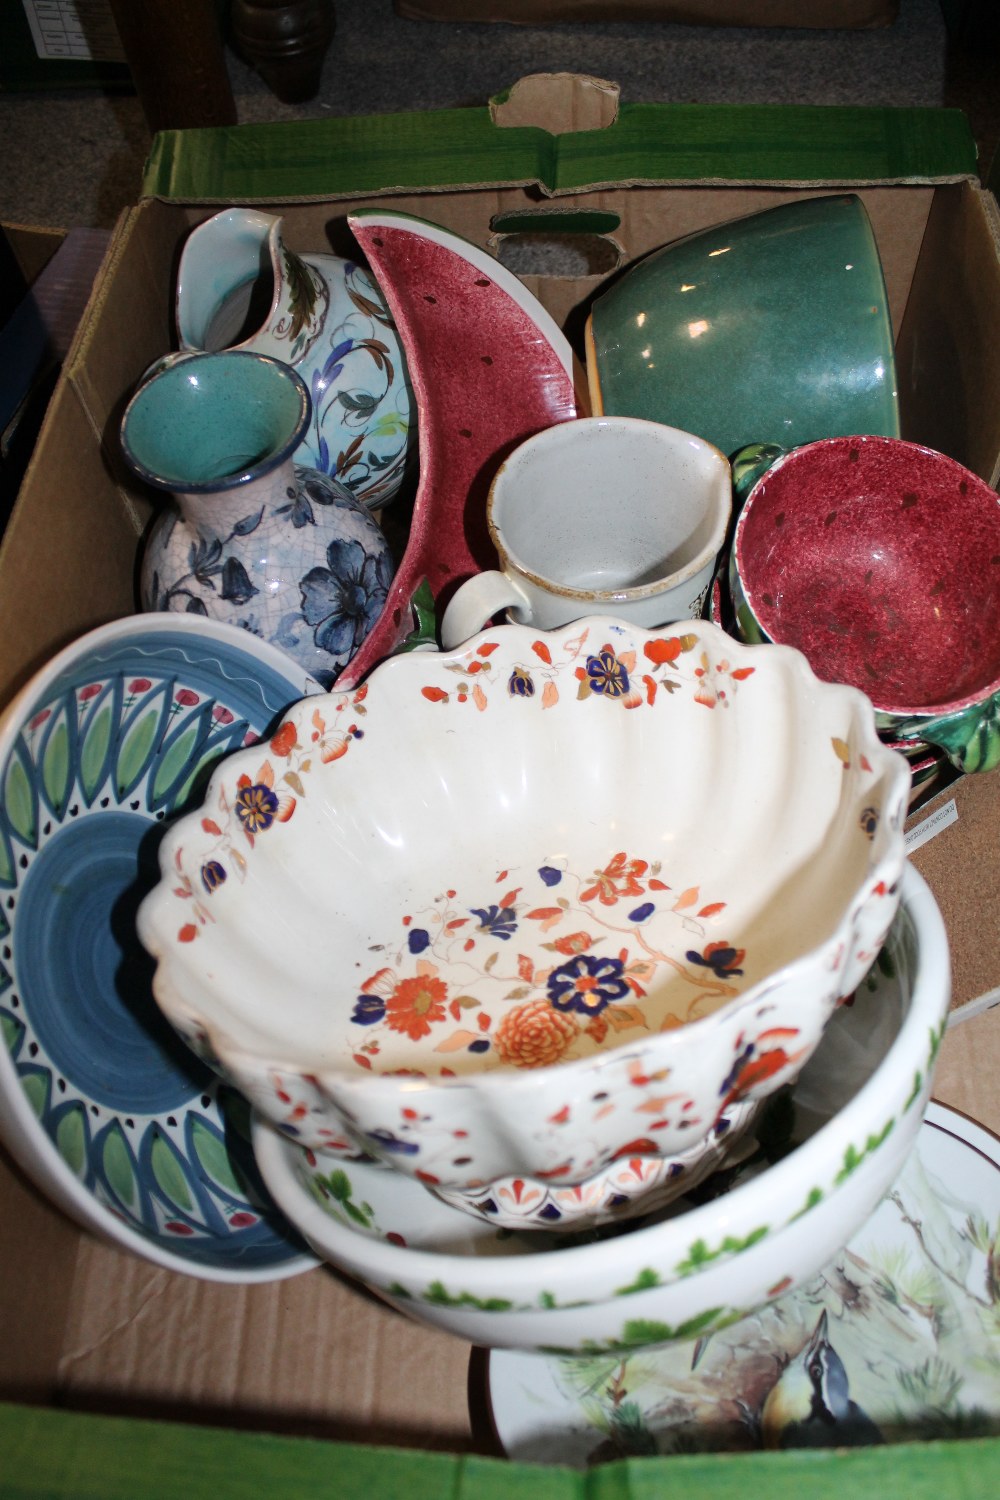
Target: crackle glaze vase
247, 535
239, 286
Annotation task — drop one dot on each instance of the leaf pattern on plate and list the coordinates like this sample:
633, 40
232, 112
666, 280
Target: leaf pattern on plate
134, 741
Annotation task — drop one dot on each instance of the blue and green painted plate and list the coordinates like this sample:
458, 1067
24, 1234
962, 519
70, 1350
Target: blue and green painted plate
101, 1103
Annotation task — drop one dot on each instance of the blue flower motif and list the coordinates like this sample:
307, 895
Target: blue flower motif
298, 510
519, 683
236, 585
368, 1009
606, 674
343, 600
324, 489
721, 958
256, 807
314, 487
390, 1142
550, 875
212, 875
417, 939
498, 921
587, 984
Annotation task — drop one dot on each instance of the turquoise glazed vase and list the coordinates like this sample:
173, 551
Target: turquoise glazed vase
247, 536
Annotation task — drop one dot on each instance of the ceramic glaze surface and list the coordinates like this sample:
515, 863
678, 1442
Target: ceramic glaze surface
599, 515
836, 1141
123, 1128
849, 1359
240, 286
534, 998
634, 1183
489, 367
880, 560
770, 328
248, 537
926, 762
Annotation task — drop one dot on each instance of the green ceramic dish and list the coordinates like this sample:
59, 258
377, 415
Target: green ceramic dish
772, 328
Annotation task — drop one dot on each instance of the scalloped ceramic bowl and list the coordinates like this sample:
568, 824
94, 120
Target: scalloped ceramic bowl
633, 1183
856, 1110
507, 909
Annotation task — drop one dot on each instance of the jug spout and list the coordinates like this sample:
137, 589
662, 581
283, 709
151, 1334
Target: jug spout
239, 287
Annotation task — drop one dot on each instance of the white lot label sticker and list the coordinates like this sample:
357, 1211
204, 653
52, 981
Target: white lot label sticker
941, 818
75, 30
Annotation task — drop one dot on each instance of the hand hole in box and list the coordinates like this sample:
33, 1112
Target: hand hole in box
552, 253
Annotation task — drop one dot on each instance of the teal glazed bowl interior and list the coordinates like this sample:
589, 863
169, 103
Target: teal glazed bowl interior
206, 418
880, 560
774, 327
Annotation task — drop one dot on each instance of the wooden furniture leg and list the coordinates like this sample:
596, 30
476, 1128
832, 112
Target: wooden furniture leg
175, 52
286, 41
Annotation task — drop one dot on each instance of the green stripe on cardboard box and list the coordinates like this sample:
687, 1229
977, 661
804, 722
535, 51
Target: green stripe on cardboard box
651, 143
62, 1455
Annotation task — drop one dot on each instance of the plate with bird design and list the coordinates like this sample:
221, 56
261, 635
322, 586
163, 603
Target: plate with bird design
897, 1340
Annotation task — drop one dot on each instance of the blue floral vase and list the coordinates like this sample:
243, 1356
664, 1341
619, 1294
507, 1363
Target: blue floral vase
247, 535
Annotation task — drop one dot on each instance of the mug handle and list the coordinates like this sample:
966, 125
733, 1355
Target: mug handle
475, 603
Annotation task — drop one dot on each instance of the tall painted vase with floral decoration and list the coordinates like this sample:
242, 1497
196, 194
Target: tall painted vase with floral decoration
245, 534
239, 286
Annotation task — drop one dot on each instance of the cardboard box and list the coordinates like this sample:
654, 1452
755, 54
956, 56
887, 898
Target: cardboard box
92, 1336
834, 14
46, 278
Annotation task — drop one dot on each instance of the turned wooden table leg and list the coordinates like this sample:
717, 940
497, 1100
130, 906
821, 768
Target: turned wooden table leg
176, 56
286, 41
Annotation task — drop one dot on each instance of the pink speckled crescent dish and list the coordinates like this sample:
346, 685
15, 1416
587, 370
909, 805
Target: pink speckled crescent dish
489, 367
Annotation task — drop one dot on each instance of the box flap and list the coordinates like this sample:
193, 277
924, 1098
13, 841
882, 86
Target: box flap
828, 145
62, 1454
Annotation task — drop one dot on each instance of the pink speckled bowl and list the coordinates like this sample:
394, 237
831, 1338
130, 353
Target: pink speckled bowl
880, 560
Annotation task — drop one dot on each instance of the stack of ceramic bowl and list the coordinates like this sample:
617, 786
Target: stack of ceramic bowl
835, 1145
528, 934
